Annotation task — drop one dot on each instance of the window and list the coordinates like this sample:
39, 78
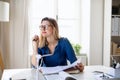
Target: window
67, 13
69, 19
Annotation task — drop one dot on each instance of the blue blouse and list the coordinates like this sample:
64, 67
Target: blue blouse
62, 52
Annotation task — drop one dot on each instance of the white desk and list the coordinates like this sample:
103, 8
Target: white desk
30, 73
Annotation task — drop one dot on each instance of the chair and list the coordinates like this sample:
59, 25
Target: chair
1, 63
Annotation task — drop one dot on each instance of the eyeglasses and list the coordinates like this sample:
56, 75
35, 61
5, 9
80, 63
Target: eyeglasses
44, 27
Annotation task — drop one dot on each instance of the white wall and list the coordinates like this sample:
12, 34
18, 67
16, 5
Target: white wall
85, 29
107, 32
96, 32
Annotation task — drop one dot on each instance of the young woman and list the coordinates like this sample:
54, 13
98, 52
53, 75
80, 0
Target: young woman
49, 42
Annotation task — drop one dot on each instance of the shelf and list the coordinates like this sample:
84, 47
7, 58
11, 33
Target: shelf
115, 15
116, 55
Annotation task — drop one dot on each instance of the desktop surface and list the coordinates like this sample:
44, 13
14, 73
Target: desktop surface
112, 79
117, 73
31, 74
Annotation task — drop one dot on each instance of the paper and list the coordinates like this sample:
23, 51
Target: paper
104, 73
53, 77
103, 76
59, 76
51, 70
64, 75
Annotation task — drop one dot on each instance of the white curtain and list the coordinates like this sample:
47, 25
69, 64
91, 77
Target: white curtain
19, 33
14, 36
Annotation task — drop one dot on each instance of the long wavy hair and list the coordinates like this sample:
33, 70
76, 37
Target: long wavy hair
53, 23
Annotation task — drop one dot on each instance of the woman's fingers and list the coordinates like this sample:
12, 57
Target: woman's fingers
80, 66
35, 38
35, 43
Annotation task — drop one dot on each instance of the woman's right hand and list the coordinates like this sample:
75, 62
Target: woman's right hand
35, 43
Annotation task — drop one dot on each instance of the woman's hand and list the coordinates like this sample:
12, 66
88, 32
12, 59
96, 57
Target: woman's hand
35, 38
80, 67
35, 43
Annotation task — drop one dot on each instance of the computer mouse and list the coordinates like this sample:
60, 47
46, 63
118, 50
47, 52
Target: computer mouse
70, 78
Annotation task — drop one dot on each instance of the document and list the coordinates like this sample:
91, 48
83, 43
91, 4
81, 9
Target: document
101, 76
59, 76
104, 73
52, 70
53, 77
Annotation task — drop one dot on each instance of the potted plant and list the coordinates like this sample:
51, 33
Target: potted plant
77, 48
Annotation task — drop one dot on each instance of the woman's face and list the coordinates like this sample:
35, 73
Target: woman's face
46, 29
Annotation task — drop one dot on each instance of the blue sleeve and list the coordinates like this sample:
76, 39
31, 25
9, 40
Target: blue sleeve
70, 54
40, 52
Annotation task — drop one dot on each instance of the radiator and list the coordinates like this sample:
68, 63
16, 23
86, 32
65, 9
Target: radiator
83, 59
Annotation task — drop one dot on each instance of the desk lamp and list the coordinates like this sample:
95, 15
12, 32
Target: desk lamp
4, 17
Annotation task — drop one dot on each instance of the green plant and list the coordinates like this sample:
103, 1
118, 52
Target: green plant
76, 48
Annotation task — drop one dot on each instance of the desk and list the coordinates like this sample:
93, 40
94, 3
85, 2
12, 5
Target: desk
86, 75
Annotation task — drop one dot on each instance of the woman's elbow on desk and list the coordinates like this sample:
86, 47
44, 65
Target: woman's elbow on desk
34, 60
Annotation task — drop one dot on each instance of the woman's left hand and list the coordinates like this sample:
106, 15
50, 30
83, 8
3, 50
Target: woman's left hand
80, 67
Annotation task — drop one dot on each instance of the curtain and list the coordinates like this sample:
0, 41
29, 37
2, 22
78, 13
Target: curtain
14, 36
19, 33
4, 42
